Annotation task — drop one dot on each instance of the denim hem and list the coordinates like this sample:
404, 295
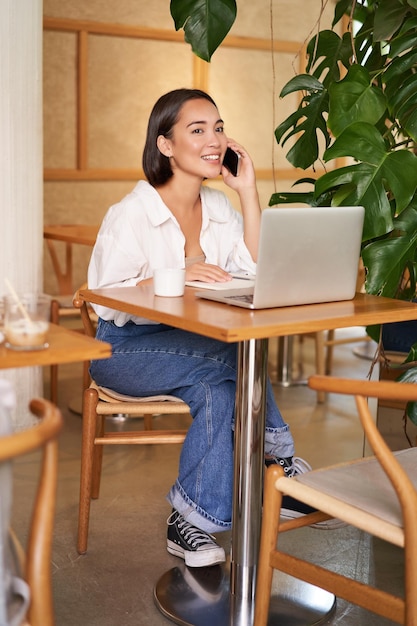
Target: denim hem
194, 514
279, 442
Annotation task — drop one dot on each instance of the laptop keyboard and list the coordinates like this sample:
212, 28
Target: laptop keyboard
242, 298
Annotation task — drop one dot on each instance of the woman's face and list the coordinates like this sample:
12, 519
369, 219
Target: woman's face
198, 142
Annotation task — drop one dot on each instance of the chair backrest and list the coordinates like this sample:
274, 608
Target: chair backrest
37, 556
81, 304
362, 390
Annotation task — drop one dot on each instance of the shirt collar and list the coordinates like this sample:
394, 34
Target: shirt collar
158, 212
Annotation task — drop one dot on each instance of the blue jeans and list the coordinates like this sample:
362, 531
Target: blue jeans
399, 336
157, 359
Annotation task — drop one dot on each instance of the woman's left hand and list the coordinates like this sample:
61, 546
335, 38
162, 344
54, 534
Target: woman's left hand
245, 187
246, 177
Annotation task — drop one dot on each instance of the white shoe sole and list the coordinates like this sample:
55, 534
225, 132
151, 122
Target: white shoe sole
328, 524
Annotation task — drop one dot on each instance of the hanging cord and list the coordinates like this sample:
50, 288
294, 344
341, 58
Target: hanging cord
271, 22
272, 39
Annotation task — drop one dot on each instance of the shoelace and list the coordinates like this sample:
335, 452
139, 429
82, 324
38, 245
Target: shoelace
299, 466
192, 535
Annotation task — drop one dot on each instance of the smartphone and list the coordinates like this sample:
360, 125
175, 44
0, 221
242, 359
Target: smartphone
232, 161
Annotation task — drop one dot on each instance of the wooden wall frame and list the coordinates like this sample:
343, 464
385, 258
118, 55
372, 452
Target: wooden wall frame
201, 69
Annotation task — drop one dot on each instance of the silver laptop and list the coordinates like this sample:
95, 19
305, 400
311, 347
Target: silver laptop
306, 255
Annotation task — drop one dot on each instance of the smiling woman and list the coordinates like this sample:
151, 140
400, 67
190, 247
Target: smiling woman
172, 221
189, 112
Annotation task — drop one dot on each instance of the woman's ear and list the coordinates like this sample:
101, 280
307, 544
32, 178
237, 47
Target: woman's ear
164, 146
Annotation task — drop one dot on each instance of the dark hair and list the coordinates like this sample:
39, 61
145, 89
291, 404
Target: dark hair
163, 116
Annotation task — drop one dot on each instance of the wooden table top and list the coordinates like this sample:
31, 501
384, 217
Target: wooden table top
65, 346
229, 323
85, 234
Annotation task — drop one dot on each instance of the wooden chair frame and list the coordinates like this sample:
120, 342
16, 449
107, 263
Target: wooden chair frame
401, 610
101, 403
37, 556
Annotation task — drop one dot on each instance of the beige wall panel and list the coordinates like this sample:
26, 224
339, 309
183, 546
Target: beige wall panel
126, 77
253, 18
154, 14
265, 188
242, 83
59, 80
297, 20
292, 19
82, 203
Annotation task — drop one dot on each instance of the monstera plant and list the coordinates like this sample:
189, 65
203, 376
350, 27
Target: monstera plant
357, 103
205, 23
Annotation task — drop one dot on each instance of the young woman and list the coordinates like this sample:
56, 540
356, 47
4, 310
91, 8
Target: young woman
172, 220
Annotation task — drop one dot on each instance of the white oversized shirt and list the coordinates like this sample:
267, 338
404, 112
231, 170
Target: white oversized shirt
140, 234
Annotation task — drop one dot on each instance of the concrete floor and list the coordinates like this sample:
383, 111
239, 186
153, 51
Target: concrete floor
112, 585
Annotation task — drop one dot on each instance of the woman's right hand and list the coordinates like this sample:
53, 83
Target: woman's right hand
206, 273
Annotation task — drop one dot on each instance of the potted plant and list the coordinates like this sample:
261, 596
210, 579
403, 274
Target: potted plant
358, 102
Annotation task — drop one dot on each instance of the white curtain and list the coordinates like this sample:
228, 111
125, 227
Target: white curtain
21, 176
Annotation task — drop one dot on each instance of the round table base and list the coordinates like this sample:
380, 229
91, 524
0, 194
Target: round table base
200, 597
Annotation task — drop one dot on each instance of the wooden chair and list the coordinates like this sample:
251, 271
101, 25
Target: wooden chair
384, 505
36, 559
61, 308
60, 247
99, 403
61, 304
325, 341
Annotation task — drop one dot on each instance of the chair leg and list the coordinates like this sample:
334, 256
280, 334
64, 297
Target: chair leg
53, 384
320, 362
54, 316
148, 421
329, 352
97, 459
270, 522
86, 375
410, 573
87, 450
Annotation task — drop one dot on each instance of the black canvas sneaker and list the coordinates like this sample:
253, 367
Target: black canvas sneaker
195, 546
292, 508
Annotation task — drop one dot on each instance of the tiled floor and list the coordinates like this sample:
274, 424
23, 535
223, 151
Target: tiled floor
112, 585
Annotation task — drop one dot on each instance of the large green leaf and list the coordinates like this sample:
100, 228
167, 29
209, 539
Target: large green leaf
360, 186
388, 18
401, 66
403, 105
354, 99
301, 197
380, 170
306, 121
386, 258
368, 52
288, 197
342, 8
361, 141
325, 56
302, 82
405, 40
401, 90
205, 23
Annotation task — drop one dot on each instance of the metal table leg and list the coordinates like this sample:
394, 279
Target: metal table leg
285, 376
225, 595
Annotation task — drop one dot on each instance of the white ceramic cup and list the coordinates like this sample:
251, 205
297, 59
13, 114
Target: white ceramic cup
26, 321
169, 282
